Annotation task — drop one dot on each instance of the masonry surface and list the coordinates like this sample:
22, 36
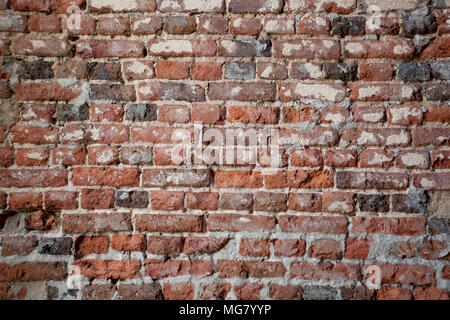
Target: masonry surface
92, 205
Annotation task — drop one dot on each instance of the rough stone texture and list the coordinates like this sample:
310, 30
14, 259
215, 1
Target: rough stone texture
137, 150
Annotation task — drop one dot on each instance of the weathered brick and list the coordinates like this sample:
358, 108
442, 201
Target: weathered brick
307, 49
239, 223
396, 226
181, 48
96, 222
171, 223
179, 24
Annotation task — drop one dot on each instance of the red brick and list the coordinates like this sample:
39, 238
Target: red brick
311, 224
33, 271
272, 71
440, 159
413, 159
314, 25
6, 156
91, 176
113, 25
103, 155
238, 179
167, 200
32, 156
37, 112
338, 202
308, 179
291, 91
279, 25
203, 245
40, 47
377, 137
45, 91
172, 268
208, 114
395, 226
174, 114
249, 114
61, 200
416, 275
98, 291
173, 70
179, 291
128, 242
29, 178
372, 158
307, 49
310, 202
325, 271
433, 250
432, 180
314, 137
206, 71
202, 200
166, 246
179, 91
109, 48
405, 114
51, 24
306, 158
438, 113
248, 291
337, 6
18, 245
99, 6
289, 247
31, 5
256, 6
212, 25
85, 245
375, 49
181, 48
439, 48
382, 25
290, 292
272, 202
421, 293
97, 198
380, 71
171, 223
431, 136
25, 200
87, 25
334, 115
68, 156
254, 248
389, 293
242, 91
357, 248
96, 222
375, 91
245, 26
176, 177
114, 269
107, 112
444, 24
325, 249
239, 223
341, 158
372, 114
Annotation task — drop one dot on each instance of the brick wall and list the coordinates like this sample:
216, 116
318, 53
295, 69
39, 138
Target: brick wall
96, 93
